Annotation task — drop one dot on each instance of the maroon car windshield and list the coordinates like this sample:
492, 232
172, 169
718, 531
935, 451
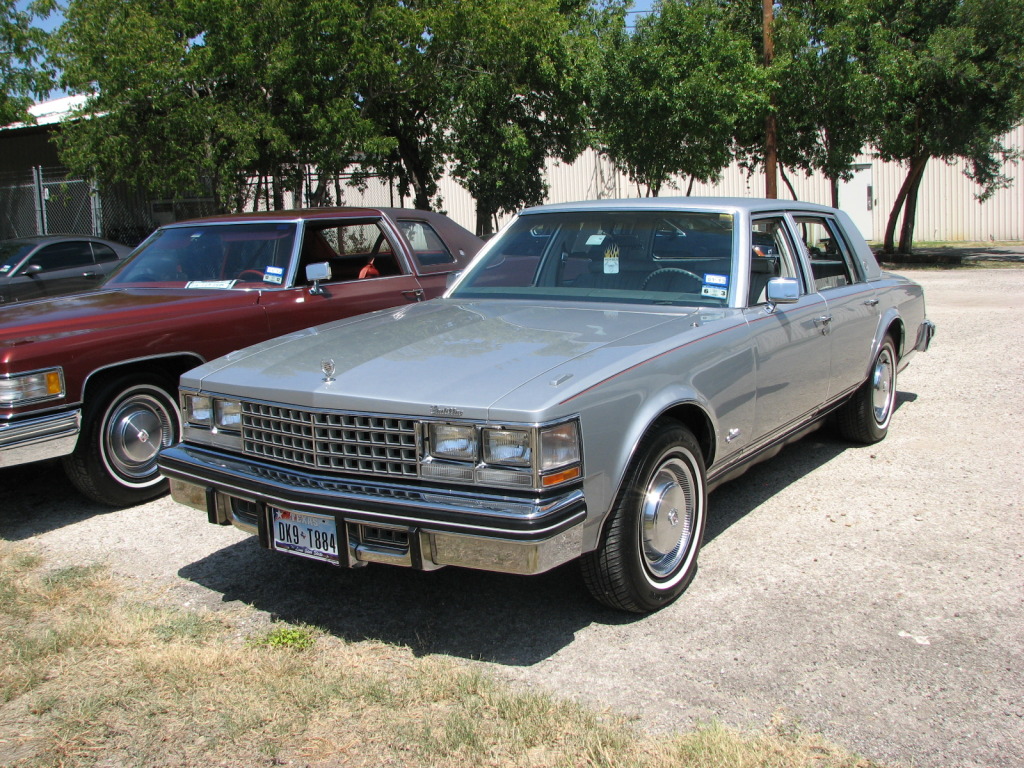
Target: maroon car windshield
212, 256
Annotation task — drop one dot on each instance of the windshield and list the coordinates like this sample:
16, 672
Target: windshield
211, 256
635, 257
11, 254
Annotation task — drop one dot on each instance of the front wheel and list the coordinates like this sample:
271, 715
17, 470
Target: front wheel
865, 417
123, 430
648, 552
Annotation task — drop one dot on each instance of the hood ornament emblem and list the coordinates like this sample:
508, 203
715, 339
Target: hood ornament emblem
329, 368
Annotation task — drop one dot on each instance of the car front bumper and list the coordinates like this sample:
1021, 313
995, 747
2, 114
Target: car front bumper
36, 439
412, 526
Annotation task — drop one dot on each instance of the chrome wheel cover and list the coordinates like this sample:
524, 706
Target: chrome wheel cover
883, 387
134, 430
668, 517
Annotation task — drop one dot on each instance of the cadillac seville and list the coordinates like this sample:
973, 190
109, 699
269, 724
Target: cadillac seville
574, 395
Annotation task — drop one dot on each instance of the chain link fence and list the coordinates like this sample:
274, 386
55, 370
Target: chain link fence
47, 201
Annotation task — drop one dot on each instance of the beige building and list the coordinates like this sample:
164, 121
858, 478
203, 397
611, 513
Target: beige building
948, 208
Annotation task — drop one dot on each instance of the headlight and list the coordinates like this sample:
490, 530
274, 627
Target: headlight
199, 410
213, 413
227, 415
32, 387
559, 446
453, 441
507, 446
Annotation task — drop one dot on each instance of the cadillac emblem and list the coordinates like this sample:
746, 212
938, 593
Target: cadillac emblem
328, 367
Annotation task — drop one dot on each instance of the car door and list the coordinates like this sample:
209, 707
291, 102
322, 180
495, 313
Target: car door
852, 311
55, 269
792, 352
369, 271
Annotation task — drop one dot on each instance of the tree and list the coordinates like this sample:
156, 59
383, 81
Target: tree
951, 76
824, 97
223, 90
24, 71
674, 92
515, 73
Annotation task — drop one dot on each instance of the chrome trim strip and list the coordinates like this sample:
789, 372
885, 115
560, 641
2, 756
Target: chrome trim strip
48, 437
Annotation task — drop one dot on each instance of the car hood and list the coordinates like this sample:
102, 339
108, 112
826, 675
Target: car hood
26, 321
445, 357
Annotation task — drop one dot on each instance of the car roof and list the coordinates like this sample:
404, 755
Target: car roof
53, 238
307, 214
709, 204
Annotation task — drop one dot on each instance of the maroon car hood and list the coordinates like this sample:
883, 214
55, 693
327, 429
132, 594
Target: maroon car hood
72, 314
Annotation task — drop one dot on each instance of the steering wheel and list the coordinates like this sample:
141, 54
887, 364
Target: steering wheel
242, 275
667, 270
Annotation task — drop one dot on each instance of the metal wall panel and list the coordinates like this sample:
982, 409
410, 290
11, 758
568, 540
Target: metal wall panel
948, 209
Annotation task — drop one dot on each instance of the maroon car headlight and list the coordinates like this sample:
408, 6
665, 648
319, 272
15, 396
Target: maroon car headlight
23, 388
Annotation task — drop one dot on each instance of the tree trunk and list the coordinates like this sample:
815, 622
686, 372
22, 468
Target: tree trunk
786, 181
917, 164
833, 184
910, 210
484, 219
277, 188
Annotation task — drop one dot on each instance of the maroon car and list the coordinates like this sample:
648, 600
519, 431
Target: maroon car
93, 377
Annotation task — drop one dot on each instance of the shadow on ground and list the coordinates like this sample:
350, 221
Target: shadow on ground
956, 255
38, 498
511, 620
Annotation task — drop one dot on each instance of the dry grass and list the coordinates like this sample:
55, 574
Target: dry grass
89, 677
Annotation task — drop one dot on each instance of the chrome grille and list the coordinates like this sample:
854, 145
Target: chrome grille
338, 442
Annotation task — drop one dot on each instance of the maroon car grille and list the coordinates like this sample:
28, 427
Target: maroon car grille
340, 442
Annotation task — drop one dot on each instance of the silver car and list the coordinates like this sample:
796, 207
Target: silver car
596, 370
54, 265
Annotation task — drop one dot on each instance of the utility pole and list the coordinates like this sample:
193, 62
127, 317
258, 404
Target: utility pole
771, 182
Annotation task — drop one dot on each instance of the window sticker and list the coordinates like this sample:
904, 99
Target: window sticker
715, 286
596, 239
714, 293
5, 268
611, 260
274, 275
208, 284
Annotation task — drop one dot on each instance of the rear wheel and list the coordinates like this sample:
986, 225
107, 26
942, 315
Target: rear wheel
648, 553
865, 417
123, 429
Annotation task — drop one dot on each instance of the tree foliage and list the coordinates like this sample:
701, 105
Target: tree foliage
221, 89
823, 96
951, 83
25, 72
516, 70
674, 92
489, 90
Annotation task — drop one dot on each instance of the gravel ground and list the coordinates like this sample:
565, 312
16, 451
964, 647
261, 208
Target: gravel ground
873, 594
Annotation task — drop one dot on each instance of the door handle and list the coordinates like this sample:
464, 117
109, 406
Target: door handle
824, 322
871, 303
416, 295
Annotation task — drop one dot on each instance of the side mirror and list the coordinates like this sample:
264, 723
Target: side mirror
314, 274
32, 270
783, 290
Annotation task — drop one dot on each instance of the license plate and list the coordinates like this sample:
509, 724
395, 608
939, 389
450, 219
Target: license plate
305, 535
